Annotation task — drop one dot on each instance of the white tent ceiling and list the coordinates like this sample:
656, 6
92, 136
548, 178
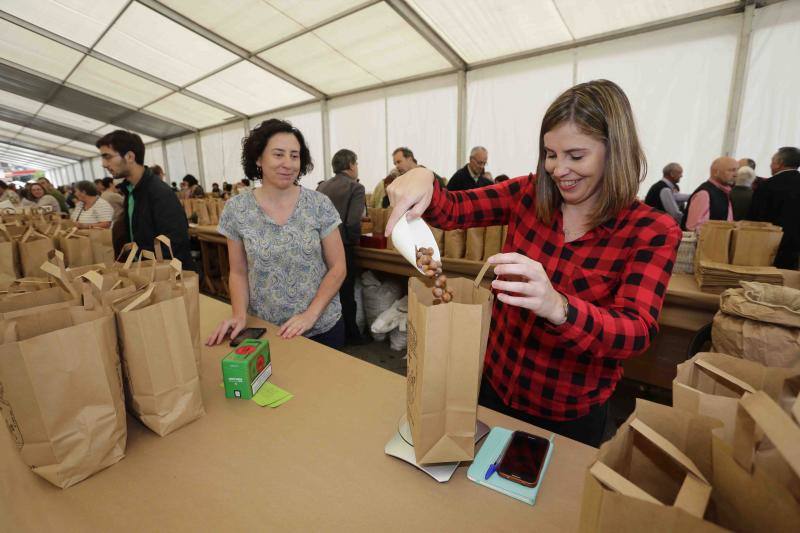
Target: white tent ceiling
72, 70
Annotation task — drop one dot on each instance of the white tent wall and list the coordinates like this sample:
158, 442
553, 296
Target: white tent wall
232, 137
88, 171
358, 123
423, 116
154, 155
505, 106
182, 158
678, 81
97, 168
770, 115
213, 157
307, 119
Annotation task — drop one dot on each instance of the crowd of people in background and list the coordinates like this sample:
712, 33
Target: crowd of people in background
734, 192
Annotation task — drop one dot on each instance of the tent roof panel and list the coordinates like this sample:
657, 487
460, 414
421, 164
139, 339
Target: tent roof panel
249, 89
382, 43
585, 19
68, 118
105, 79
166, 49
312, 12
108, 128
189, 111
243, 22
77, 20
479, 32
20, 103
321, 65
38, 53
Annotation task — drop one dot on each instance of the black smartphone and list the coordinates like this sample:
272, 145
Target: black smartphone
524, 458
248, 333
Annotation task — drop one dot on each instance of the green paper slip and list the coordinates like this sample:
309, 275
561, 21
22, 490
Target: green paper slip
269, 394
281, 401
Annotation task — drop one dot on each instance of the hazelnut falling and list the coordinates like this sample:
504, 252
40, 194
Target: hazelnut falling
433, 269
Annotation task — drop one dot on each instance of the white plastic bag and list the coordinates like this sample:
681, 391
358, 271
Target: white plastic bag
378, 297
361, 317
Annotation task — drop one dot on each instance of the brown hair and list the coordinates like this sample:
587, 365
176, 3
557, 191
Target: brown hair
601, 110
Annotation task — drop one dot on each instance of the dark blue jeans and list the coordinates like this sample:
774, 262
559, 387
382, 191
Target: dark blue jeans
333, 338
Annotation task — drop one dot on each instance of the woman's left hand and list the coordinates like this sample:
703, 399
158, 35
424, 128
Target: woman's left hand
297, 325
531, 287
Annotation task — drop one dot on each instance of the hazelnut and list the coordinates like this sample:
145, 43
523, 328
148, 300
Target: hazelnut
446, 297
438, 292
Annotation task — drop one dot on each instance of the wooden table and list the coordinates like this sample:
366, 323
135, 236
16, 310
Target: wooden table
314, 464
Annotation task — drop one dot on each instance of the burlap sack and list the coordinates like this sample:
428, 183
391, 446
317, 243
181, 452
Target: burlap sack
759, 322
455, 245
475, 243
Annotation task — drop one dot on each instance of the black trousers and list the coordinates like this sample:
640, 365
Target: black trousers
787, 259
333, 338
347, 295
588, 429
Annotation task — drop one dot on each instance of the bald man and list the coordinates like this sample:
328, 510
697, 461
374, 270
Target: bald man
711, 200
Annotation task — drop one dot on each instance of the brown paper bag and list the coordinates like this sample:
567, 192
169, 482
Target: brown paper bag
492, 241
755, 245
438, 235
652, 475
759, 322
201, 210
455, 243
475, 240
33, 250
157, 269
158, 358
376, 215
101, 244
446, 345
9, 257
755, 497
503, 238
61, 392
713, 242
77, 248
711, 384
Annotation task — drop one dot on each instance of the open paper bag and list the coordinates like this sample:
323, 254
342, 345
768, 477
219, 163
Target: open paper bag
446, 346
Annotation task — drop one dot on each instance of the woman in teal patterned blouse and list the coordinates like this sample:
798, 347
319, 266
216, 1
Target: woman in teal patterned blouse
286, 257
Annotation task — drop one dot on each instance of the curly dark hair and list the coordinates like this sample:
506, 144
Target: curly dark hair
254, 144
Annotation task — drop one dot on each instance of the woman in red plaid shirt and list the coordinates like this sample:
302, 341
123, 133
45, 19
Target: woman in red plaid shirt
583, 272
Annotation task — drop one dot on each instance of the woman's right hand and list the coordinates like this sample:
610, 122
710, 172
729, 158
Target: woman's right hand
234, 324
410, 193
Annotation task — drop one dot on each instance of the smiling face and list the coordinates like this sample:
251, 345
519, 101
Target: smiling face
576, 163
37, 190
280, 160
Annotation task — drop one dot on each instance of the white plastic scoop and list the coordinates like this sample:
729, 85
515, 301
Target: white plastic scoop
407, 237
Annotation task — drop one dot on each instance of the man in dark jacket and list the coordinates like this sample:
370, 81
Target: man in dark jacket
347, 196
777, 200
150, 207
473, 174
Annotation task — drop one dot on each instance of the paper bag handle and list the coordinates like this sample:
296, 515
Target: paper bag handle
760, 410
481, 273
92, 285
157, 247
693, 496
731, 379
55, 267
139, 300
132, 249
667, 447
616, 482
4, 231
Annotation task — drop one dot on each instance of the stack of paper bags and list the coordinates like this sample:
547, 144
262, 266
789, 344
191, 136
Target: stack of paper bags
716, 277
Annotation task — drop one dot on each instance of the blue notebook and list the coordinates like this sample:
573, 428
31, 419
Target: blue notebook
488, 454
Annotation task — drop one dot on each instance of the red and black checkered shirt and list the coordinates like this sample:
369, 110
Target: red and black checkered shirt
614, 277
